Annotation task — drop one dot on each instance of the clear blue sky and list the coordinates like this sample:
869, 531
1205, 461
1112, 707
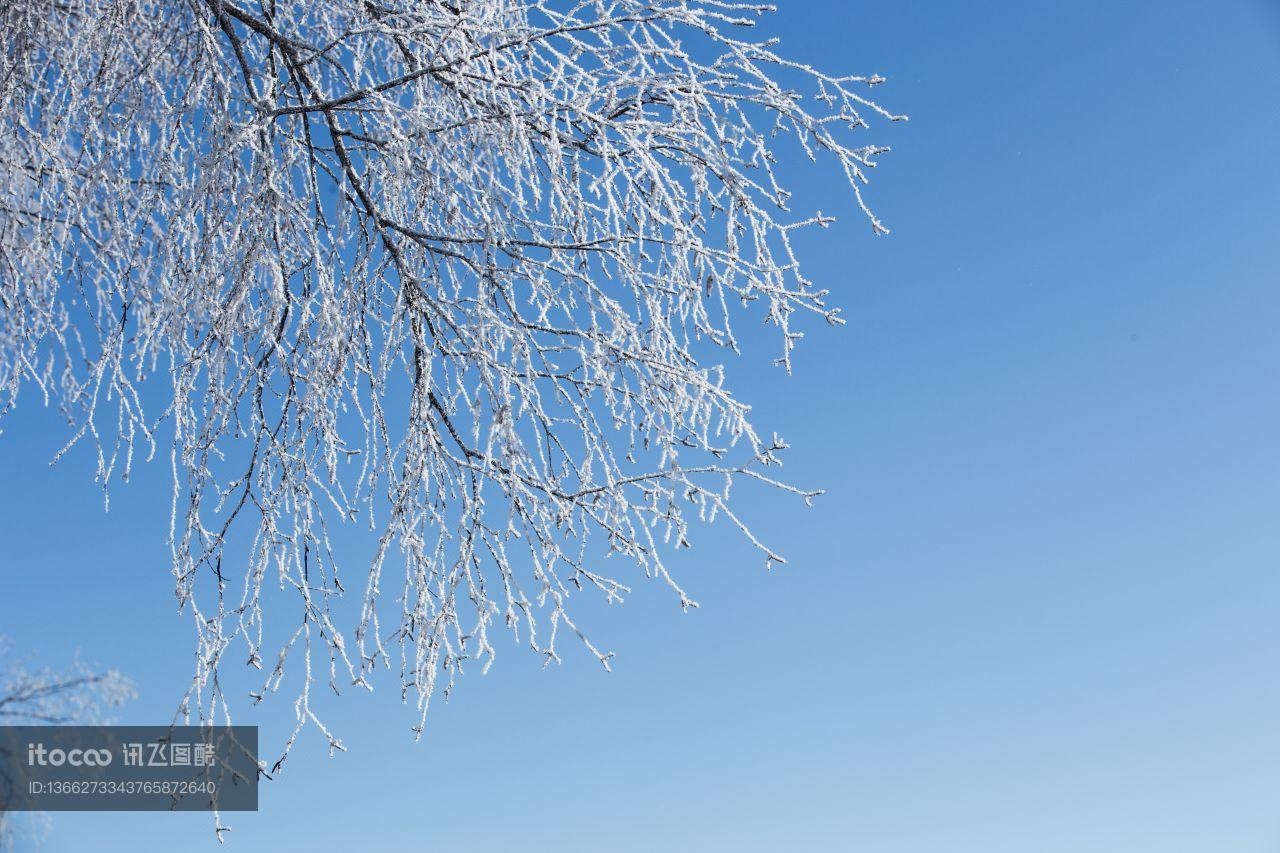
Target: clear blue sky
1037, 609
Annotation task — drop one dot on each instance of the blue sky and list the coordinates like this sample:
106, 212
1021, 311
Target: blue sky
1035, 610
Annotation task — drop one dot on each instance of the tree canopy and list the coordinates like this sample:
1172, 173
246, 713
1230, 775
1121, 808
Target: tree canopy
456, 272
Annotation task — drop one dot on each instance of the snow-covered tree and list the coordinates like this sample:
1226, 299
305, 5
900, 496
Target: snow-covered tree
40, 695
456, 271
34, 696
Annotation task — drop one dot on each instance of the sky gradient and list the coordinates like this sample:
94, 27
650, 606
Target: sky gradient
1036, 608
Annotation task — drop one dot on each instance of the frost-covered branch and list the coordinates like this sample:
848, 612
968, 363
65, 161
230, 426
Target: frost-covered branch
80, 694
33, 696
458, 272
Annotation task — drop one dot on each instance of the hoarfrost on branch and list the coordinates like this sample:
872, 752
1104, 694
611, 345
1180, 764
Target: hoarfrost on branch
453, 271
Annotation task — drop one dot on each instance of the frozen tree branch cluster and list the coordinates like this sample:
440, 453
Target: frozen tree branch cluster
80, 694
456, 271
77, 695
